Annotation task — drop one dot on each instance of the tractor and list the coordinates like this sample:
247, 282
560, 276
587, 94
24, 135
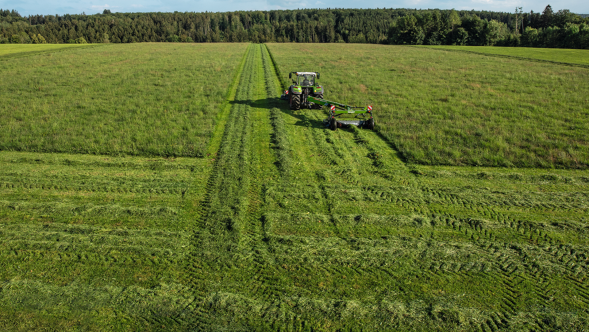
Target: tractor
304, 92
304, 85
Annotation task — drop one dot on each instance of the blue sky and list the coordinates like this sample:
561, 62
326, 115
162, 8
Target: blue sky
49, 7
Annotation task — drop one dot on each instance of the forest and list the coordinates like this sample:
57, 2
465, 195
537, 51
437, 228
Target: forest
560, 29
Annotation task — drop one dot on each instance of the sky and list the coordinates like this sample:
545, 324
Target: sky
52, 7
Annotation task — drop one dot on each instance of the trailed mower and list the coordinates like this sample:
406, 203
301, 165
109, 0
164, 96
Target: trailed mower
306, 93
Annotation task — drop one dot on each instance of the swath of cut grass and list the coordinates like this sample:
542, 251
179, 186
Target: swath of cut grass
82, 233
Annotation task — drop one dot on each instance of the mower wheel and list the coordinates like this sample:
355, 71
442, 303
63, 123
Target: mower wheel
369, 124
332, 124
295, 102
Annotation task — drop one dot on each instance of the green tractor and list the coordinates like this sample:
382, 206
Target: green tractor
304, 85
306, 93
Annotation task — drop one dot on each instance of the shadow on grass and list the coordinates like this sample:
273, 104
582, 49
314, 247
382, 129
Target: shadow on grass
282, 105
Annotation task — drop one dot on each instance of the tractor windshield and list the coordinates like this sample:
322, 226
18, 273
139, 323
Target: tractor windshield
307, 80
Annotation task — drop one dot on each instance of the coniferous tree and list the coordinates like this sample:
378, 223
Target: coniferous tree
547, 15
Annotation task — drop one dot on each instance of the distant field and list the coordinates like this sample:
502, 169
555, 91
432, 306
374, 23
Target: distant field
580, 57
458, 108
134, 99
7, 49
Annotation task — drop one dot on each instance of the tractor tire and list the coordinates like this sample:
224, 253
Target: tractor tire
332, 124
369, 124
320, 96
295, 102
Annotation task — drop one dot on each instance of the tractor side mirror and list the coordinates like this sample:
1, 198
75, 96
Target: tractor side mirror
318, 76
289, 75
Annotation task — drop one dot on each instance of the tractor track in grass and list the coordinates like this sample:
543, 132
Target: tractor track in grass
205, 257
245, 165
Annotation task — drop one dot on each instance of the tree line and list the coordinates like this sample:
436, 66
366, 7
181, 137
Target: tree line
383, 26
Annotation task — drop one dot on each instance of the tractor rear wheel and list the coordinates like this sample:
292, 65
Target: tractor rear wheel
295, 102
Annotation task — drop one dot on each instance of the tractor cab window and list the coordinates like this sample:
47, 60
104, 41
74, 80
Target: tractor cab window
307, 80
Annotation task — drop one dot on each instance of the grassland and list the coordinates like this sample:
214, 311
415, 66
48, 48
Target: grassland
11, 50
94, 241
141, 100
455, 108
570, 56
289, 226
99, 242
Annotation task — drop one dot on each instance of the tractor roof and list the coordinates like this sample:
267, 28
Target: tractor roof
306, 73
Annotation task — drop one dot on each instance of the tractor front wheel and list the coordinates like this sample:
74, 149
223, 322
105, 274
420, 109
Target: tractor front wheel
295, 102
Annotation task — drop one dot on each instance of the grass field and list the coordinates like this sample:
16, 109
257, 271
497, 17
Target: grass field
21, 49
455, 108
93, 241
289, 226
578, 57
142, 99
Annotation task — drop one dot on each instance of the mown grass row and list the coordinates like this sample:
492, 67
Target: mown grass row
455, 108
437, 250
141, 99
279, 136
95, 242
225, 256
220, 227
452, 257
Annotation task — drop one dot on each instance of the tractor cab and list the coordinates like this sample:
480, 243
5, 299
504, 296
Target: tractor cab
305, 79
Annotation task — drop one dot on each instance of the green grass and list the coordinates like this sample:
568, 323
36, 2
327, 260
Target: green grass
141, 99
82, 233
456, 108
289, 226
22, 49
349, 237
578, 57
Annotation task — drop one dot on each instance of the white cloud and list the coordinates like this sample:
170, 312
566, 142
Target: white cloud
103, 7
287, 4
